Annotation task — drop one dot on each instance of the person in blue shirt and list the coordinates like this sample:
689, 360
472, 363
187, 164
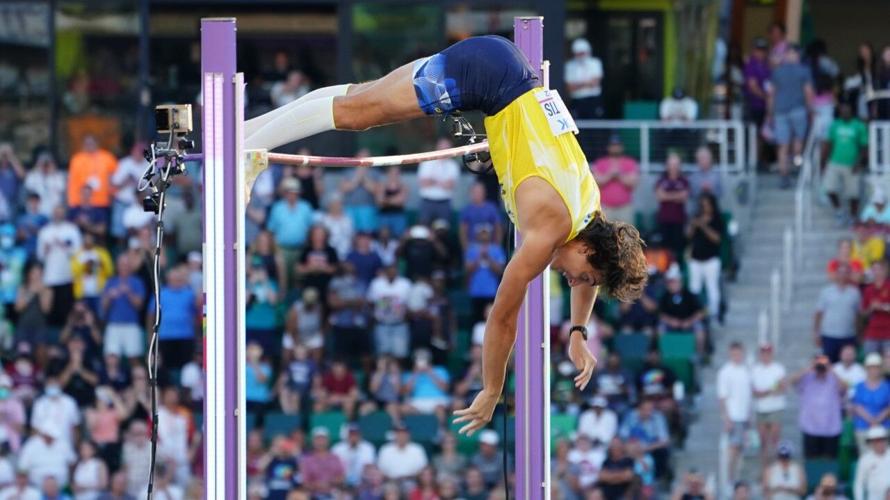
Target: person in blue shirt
479, 211
179, 306
649, 426
89, 218
289, 220
871, 400
120, 305
257, 379
484, 263
12, 267
29, 223
426, 387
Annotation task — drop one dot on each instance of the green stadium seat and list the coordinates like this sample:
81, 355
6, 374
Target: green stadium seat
678, 345
333, 421
685, 372
631, 346
466, 445
279, 424
374, 426
816, 468
423, 428
562, 425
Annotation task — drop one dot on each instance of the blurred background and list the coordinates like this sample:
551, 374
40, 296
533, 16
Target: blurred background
746, 139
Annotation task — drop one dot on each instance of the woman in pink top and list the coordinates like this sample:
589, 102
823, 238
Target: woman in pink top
103, 422
617, 176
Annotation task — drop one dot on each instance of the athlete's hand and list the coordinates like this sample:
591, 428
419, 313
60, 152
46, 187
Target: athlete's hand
584, 361
478, 414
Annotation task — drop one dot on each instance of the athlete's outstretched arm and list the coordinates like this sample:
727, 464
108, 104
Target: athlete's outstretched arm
529, 261
390, 99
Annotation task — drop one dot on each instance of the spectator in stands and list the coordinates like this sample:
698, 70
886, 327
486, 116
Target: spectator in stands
757, 73
349, 315
55, 412
825, 73
848, 369
56, 244
366, 262
480, 212
588, 459
846, 257
784, 479
876, 309
649, 426
89, 218
337, 224
296, 380
768, 387
488, 459
872, 480
392, 196
294, 86
847, 140
103, 424
868, 246
426, 487
173, 432
858, 86
12, 173
705, 233
437, 180
680, 310
261, 318
321, 471
401, 459
599, 422
692, 487
121, 301
93, 167
12, 414
389, 294
617, 476
21, 488
125, 181
426, 388
258, 379
449, 461
790, 97
189, 217
616, 384
47, 453
289, 220
33, 304
47, 182
305, 323
421, 251
734, 388
871, 400
617, 176
336, 389
641, 316
90, 475
877, 212
360, 196
564, 473
355, 454
821, 401
583, 77
706, 179
90, 269
672, 193
779, 45
484, 263
177, 330
29, 223
282, 469
80, 374
386, 245
318, 262
678, 107
474, 485
836, 316
827, 489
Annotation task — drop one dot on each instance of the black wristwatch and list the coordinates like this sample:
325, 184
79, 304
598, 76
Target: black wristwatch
579, 328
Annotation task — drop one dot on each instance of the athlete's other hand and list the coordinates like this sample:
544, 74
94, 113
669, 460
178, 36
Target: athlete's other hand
479, 413
584, 361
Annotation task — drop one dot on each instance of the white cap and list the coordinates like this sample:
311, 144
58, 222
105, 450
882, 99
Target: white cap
489, 436
673, 272
874, 359
581, 46
878, 197
320, 431
876, 432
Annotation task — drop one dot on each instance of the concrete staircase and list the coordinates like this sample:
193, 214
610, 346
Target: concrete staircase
773, 212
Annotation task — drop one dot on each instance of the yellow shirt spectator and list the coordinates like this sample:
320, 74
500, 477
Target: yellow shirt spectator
90, 269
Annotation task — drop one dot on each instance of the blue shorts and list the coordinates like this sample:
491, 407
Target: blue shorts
791, 125
483, 73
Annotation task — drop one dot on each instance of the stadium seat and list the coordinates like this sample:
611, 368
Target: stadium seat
685, 372
562, 425
677, 345
631, 346
279, 424
466, 445
816, 468
374, 426
424, 428
333, 421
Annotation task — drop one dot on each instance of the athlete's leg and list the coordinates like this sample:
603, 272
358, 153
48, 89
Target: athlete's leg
254, 124
354, 107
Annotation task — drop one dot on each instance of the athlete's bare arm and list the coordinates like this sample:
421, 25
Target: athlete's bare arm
545, 224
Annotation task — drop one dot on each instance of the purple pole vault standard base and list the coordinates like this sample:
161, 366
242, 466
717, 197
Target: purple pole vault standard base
532, 359
221, 407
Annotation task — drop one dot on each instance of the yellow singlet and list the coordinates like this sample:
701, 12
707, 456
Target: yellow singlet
522, 145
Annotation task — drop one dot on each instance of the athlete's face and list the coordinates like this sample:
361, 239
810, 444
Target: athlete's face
570, 260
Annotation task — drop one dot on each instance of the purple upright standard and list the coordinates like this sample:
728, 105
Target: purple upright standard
532, 343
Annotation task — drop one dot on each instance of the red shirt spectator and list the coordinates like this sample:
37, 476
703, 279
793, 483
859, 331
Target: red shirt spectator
337, 382
321, 470
617, 176
876, 305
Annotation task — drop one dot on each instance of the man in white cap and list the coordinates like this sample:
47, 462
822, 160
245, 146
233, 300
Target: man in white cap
870, 403
599, 423
46, 454
322, 472
354, 453
489, 462
878, 210
583, 76
401, 459
873, 470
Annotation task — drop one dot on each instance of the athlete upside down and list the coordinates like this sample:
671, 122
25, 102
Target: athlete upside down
546, 185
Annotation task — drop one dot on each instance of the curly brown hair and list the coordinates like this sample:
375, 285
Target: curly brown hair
616, 250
